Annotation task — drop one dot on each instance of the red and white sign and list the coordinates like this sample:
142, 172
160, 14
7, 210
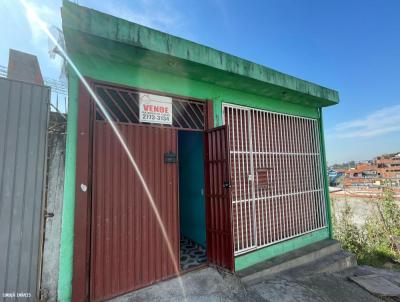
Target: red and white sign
155, 109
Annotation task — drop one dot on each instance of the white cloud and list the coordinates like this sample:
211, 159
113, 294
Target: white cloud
380, 122
19, 31
158, 14
50, 14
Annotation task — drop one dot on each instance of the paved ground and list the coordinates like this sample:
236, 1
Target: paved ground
203, 285
314, 288
210, 285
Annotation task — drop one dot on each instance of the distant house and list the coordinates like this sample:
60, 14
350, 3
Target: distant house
335, 177
363, 170
389, 165
382, 171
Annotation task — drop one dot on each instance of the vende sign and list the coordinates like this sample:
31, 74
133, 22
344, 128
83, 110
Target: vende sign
155, 109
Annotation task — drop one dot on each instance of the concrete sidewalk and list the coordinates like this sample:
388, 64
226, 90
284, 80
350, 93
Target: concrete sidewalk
211, 285
326, 287
206, 285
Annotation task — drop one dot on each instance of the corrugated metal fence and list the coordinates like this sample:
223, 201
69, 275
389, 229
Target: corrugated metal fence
24, 111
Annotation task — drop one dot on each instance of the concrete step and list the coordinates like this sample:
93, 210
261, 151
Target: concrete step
333, 263
291, 260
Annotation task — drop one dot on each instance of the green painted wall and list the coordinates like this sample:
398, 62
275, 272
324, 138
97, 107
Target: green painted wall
135, 76
191, 186
269, 252
118, 73
67, 225
325, 174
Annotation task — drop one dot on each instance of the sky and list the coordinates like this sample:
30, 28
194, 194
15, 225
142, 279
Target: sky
352, 46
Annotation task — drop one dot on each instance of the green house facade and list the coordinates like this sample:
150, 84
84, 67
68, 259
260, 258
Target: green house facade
223, 152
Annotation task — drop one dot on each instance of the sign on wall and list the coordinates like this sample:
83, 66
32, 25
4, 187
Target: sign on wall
155, 109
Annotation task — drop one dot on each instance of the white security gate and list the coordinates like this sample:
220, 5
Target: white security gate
276, 172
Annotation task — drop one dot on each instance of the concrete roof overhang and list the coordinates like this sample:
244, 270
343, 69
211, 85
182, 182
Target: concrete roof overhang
90, 32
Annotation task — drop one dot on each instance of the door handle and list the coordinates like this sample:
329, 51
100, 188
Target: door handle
227, 184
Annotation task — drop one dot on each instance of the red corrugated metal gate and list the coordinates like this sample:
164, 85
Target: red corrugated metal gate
128, 250
218, 198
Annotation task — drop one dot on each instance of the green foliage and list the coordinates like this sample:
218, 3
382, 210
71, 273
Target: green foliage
389, 213
377, 241
347, 232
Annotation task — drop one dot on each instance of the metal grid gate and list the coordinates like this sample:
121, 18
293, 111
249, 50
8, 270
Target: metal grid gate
123, 106
276, 172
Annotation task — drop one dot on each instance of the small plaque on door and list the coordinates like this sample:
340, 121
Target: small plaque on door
170, 157
263, 177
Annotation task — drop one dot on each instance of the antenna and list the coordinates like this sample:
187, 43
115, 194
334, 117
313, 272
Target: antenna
54, 49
